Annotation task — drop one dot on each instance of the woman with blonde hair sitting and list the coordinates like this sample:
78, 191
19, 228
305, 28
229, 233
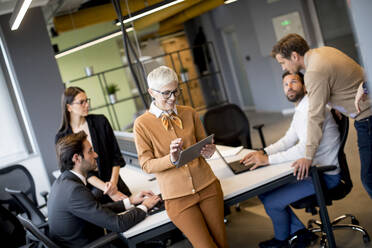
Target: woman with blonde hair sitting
192, 193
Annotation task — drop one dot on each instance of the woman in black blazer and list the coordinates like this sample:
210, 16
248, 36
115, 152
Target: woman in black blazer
106, 181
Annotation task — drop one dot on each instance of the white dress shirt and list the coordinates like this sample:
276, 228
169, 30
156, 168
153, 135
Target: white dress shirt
158, 112
293, 145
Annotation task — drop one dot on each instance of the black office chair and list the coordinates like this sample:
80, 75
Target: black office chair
19, 178
339, 192
47, 242
11, 230
29, 207
230, 126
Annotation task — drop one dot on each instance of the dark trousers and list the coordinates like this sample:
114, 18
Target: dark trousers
277, 201
364, 131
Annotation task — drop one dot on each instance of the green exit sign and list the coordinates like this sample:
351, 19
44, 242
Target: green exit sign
285, 23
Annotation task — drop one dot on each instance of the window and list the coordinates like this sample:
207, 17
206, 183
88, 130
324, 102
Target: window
15, 139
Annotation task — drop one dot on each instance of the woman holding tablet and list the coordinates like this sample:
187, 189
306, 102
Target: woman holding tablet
192, 193
75, 118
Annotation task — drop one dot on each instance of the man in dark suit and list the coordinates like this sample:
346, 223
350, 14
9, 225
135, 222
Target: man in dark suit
75, 217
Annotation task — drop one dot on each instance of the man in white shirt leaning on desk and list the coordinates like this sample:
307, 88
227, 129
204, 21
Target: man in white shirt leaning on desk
289, 148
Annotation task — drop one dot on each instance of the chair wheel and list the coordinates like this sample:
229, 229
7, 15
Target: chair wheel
366, 239
355, 222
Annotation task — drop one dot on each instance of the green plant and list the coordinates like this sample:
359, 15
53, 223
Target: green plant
112, 89
183, 70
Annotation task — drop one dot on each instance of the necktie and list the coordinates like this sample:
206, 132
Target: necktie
167, 119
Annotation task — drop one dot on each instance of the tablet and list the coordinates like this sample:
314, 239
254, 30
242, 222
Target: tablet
193, 151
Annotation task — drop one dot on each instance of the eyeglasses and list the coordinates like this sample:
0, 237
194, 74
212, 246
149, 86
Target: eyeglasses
167, 94
81, 102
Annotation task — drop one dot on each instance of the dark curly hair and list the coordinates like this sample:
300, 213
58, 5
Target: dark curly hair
288, 44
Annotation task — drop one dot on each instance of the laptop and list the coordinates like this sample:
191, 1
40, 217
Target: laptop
235, 166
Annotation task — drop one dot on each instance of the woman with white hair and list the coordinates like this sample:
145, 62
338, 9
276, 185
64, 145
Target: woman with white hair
192, 193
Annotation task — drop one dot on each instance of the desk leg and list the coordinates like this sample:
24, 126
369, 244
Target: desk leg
327, 228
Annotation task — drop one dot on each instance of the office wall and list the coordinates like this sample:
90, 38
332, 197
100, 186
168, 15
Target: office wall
361, 17
252, 22
40, 84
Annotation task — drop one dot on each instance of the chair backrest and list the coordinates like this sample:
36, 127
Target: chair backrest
19, 178
29, 226
11, 230
342, 189
32, 211
346, 185
229, 124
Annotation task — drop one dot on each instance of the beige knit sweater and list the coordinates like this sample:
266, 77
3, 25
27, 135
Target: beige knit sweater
331, 77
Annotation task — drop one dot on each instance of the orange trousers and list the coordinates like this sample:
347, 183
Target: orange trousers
200, 217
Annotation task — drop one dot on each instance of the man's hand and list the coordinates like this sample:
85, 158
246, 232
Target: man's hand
175, 148
150, 202
118, 196
208, 150
140, 197
360, 96
257, 158
301, 168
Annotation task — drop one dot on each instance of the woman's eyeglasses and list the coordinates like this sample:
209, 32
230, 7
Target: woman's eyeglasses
167, 94
81, 102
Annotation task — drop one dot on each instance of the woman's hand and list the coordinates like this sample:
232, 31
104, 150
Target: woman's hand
208, 150
175, 148
110, 188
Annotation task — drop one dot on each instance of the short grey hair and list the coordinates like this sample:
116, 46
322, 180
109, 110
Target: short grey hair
161, 76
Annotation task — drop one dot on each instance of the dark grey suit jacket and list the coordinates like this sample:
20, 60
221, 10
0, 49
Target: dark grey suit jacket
75, 217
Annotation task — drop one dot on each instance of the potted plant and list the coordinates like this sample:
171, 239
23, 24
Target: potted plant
111, 91
184, 74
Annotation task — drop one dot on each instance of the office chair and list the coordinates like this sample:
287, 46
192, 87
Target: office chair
339, 192
19, 178
230, 126
11, 230
29, 207
47, 242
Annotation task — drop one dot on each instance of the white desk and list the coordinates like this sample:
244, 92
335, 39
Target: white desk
232, 186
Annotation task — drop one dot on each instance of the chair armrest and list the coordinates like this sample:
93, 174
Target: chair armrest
259, 129
44, 194
43, 225
42, 206
323, 169
102, 240
259, 126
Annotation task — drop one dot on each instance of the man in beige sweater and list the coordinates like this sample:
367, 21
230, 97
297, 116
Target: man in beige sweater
333, 78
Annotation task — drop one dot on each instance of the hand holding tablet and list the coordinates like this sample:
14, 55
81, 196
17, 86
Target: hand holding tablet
194, 151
